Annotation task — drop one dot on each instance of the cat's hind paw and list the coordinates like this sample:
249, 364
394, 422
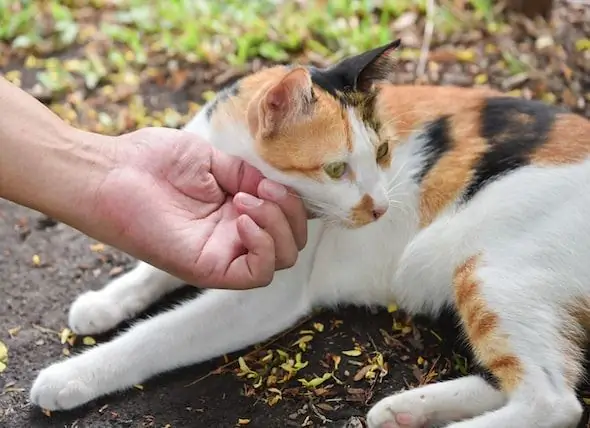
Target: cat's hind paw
94, 312
60, 387
397, 411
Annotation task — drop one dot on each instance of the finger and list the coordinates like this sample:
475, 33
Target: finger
269, 217
255, 268
234, 175
291, 205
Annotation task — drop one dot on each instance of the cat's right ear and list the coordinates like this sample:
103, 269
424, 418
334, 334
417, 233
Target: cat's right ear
283, 103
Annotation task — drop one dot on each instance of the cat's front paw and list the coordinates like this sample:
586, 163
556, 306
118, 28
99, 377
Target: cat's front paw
404, 410
61, 386
94, 312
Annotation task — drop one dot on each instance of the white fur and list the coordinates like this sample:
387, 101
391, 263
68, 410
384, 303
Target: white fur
531, 228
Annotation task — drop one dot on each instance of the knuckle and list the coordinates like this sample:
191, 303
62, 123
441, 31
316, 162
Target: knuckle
290, 258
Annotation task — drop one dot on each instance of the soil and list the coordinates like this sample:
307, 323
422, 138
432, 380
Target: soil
36, 299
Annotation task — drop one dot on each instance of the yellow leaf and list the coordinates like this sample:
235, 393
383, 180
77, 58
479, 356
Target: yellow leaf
481, 79
267, 357
549, 98
465, 55
336, 359
243, 421
65, 335
97, 248
208, 95
586, 400
298, 363
88, 341
13, 331
243, 364
302, 342
138, 386
284, 356
318, 326
3, 356
391, 308
420, 360
315, 381
583, 45
352, 353
303, 339
36, 260
274, 400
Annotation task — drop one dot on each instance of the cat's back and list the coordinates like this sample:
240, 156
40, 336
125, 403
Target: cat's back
471, 138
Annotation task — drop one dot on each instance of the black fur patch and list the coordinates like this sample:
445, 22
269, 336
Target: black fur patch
438, 141
230, 90
513, 129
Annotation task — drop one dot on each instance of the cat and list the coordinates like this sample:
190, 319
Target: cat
432, 197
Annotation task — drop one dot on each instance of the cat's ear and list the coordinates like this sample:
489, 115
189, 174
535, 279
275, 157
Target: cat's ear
285, 102
379, 66
360, 72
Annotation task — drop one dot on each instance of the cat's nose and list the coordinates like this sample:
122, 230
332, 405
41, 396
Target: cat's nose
378, 212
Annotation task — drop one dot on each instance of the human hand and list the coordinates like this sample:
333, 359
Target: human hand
210, 219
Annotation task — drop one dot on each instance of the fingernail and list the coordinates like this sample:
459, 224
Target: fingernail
275, 190
248, 200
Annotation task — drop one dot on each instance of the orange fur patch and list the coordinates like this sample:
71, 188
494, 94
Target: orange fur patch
405, 109
481, 325
362, 213
575, 331
302, 146
568, 142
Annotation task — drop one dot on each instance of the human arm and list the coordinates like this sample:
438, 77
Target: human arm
161, 195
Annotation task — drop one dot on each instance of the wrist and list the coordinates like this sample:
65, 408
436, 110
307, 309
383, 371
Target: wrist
58, 172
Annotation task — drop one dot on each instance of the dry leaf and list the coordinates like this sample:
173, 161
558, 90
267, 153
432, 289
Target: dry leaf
3, 356
88, 341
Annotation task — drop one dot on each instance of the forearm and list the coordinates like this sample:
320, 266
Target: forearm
45, 164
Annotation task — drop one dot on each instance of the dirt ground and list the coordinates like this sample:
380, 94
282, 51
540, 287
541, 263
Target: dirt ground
35, 300
44, 265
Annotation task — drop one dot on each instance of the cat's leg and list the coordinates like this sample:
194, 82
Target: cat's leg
121, 299
435, 404
520, 331
526, 339
214, 323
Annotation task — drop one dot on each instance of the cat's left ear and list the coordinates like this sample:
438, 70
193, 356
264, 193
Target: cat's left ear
360, 72
379, 66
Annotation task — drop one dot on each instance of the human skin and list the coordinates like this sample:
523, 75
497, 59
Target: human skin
162, 195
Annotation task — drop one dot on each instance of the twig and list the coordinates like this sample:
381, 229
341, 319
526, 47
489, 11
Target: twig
270, 342
428, 31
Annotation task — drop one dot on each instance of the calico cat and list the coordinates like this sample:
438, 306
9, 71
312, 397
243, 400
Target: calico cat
432, 197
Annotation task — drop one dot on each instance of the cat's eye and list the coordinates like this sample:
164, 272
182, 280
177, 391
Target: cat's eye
335, 169
382, 151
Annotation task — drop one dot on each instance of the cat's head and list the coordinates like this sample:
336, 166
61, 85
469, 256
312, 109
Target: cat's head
313, 130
